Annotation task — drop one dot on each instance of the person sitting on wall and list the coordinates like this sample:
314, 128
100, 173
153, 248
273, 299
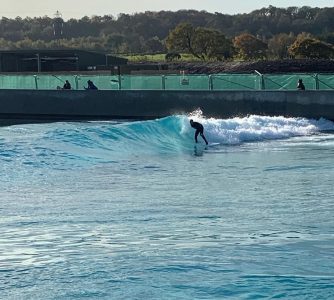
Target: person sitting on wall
301, 85
67, 85
91, 86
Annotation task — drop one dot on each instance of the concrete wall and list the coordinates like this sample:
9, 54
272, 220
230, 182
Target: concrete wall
19, 106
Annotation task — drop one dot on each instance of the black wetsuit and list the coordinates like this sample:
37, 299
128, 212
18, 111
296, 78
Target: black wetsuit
91, 86
199, 130
301, 86
67, 86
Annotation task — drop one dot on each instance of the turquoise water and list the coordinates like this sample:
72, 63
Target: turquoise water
134, 210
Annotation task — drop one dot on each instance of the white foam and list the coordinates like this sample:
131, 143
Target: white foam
258, 128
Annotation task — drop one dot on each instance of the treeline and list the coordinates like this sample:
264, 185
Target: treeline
150, 32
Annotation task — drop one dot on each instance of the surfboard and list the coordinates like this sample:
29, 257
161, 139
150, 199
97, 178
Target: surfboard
204, 145
200, 148
212, 144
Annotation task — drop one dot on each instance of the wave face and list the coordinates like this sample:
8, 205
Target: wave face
40, 144
174, 135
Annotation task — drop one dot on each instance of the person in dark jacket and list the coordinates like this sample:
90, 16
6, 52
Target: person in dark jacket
67, 85
199, 130
91, 86
301, 85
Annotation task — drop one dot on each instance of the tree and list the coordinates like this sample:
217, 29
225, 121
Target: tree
203, 43
144, 32
154, 45
279, 44
211, 44
311, 48
250, 47
181, 38
113, 42
328, 38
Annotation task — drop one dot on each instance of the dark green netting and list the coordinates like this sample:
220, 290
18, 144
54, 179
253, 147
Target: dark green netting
171, 82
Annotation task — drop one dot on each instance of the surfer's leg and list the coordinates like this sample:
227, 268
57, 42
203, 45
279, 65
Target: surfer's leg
202, 135
196, 135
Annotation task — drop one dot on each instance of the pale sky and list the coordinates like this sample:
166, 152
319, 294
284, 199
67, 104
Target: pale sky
79, 8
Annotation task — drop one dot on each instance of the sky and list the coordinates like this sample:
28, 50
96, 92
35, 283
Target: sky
80, 8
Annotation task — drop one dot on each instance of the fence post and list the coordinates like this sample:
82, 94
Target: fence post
36, 81
316, 81
119, 82
210, 83
262, 85
163, 82
76, 79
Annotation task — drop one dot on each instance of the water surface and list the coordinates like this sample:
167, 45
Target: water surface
135, 210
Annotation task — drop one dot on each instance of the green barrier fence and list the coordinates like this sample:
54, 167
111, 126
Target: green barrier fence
256, 81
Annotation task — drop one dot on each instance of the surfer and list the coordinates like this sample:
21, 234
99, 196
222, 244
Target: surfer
199, 130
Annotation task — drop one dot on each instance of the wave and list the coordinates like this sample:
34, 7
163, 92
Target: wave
174, 134
105, 141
